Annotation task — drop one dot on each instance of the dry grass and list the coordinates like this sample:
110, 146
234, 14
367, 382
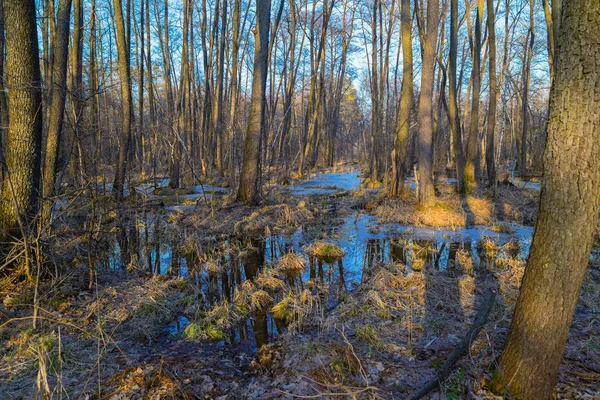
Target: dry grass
480, 210
145, 382
291, 264
445, 212
516, 205
452, 210
326, 252
274, 217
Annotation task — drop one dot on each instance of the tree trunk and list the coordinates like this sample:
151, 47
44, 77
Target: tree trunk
406, 99
235, 47
56, 113
525, 97
564, 230
20, 193
76, 81
3, 101
249, 189
127, 109
472, 144
491, 120
453, 113
375, 100
425, 139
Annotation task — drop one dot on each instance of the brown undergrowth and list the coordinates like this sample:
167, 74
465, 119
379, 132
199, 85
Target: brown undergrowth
451, 210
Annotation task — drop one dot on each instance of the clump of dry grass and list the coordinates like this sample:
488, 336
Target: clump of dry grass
501, 228
481, 210
326, 252
464, 259
260, 300
487, 247
280, 216
267, 279
367, 183
291, 264
294, 308
146, 381
439, 214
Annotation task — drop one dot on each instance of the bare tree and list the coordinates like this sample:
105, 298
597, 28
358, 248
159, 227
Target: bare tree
249, 189
126, 98
563, 235
425, 137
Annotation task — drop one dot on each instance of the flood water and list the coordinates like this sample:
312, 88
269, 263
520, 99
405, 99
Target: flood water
147, 242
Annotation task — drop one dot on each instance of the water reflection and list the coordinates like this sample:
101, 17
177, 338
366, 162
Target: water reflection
219, 266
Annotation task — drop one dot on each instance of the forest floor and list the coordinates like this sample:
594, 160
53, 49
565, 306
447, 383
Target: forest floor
344, 291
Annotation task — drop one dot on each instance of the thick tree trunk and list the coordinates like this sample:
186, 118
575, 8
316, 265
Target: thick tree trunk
563, 234
406, 99
425, 139
20, 193
56, 113
127, 105
3, 101
249, 189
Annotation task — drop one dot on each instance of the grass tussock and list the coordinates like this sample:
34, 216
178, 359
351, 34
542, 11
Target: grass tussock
326, 252
273, 217
291, 264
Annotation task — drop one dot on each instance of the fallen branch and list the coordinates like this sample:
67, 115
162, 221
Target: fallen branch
461, 349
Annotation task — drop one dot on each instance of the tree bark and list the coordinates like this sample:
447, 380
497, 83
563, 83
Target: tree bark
20, 193
425, 139
567, 218
406, 99
453, 113
127, 105
473, 141
3, 101
249, 189
491, 120
58, 94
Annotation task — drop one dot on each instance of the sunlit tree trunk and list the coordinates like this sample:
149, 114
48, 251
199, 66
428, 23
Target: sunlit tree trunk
567, 217
406, 99
3, 101
20, 193
425, 137
249, 189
